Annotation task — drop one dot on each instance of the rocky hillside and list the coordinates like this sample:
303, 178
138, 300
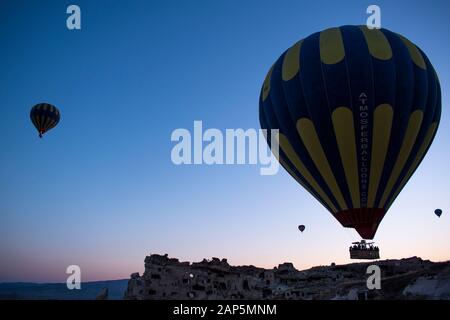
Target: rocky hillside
168, 278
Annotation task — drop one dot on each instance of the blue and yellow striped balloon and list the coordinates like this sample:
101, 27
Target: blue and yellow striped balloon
44, 117
357, 110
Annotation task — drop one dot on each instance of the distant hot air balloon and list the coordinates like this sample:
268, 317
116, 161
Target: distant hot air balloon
438, 212
357, 110
301, 228
44, 117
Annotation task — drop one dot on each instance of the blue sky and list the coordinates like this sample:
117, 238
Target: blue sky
101, 191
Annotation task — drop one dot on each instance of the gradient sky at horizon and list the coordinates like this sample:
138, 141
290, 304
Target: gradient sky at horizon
100, 190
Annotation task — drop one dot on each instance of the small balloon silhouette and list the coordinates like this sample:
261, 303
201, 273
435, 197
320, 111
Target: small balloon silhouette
438, 212
44, 117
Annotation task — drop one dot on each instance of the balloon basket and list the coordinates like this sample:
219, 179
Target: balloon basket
364, 251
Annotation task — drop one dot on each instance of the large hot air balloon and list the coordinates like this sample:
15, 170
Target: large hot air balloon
44, 117
357, 110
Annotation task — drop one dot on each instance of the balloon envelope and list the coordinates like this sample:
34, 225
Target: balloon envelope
301, 228
438, 212
356, 110
44, 117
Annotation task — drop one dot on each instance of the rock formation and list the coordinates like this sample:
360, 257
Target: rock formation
168, 278
103, 295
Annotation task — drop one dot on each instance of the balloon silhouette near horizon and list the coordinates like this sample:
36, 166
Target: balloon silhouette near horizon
438, 212
301, 228
357, 111
44, 117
